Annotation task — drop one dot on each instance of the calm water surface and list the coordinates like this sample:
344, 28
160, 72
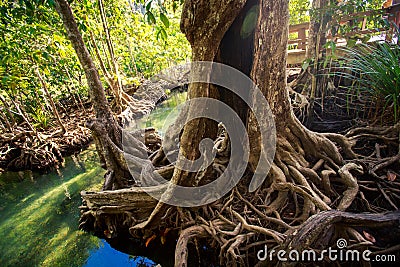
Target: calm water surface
39, 213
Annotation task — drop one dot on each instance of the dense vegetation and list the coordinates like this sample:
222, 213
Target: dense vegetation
129, 40
52, 94
36, 56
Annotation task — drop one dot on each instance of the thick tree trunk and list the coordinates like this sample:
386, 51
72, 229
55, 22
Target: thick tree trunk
299, 182
96, 89
269, 70
237, 50
204, 24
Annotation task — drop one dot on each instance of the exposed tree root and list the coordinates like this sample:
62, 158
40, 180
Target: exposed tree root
311, 174
41, 150
308, 178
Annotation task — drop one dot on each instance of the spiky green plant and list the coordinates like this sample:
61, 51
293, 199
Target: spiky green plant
41, 118
375, 71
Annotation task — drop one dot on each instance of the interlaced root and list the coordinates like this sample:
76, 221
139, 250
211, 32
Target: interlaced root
311, 198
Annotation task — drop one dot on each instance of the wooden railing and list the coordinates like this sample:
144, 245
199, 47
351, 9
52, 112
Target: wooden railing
300, 31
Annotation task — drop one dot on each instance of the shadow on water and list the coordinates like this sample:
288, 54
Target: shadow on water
39, 214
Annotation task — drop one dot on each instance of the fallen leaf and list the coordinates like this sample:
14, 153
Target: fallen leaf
369, 237
165, 232
108, 233
391, 176
150, 239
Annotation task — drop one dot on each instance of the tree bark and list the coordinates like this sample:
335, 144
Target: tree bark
106, 74
269, 70
204, 24
6, 122
317, 30
293, 189
294, 143
237, 50
116, 85
106, 131
7, 107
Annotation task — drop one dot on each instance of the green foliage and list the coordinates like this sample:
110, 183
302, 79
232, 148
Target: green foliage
375, 71
41, 118
299, 11
146, 35
337, 11
32, 36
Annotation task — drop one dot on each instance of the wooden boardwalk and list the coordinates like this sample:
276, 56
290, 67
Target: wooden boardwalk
298, 38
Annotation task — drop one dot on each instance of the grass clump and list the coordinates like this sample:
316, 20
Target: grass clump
374, 71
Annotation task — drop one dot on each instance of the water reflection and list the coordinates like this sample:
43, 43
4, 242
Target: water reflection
159, 118
106, 256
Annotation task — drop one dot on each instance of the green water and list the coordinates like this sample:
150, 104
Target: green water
165, 113
39, 214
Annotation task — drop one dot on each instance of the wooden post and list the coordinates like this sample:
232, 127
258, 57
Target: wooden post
302, 38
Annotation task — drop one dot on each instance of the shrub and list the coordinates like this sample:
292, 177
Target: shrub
375, 71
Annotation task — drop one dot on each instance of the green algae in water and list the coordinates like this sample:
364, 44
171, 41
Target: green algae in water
165, 113
39, 218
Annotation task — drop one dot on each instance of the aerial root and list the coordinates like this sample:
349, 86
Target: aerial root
307, 178
181, 252
42, 150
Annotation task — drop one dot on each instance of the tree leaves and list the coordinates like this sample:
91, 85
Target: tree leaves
164, 20
151, 19
162, 33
